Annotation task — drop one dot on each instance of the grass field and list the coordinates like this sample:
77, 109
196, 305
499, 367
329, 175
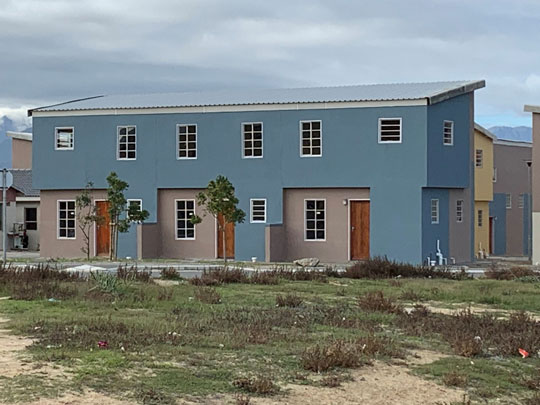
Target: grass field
251, 337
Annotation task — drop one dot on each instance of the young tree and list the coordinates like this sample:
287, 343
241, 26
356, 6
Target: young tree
219, 199
87, 215
121, 215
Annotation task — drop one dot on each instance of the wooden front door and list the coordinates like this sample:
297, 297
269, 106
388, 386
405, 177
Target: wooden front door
103, 232
229, 236
359, 214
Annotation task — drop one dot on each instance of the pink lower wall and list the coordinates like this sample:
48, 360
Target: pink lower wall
204, 245
21, 154
50, 244
336, 246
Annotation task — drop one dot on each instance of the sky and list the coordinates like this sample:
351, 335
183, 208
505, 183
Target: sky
58, 50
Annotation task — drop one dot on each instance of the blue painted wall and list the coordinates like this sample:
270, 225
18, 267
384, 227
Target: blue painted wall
497, 210
433, 232
352, 157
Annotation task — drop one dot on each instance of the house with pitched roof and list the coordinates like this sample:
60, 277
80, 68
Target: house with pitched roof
338, 173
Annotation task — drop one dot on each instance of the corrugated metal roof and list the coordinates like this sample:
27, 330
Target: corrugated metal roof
22, 182
433, 92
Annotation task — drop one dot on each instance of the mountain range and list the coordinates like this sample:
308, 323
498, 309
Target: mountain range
521, 133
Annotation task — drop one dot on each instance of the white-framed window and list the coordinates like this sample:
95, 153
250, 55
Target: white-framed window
521, 201
494, 175
434, 211
479, 158
448, 133
252, 140
64, 138
137, 202
311, 138
480, 218
459, 211
508, 201
186, 141
127, 143
258, 209
184, 210
315, 219
389, 130
66, 219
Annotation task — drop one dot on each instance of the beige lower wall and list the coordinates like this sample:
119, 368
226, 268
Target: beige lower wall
204, 245
148, 241
336, 246
50, 244
275, 249
33, 236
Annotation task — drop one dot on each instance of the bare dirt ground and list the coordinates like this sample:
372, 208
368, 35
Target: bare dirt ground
380, 384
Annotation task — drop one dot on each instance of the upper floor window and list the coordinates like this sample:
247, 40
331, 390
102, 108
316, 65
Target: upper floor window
434, 211
252, 139
479, 158
185, 209
459, 211
448, 133
66, 219
258, 210
389, 130
127, 143
63, 138
186, 141
480, 218
315, 219
508, 201
310, 138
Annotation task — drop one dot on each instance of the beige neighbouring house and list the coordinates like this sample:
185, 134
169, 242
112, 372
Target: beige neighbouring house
23, 201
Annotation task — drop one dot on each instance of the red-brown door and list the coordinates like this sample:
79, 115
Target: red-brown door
229, 236
103, 232
359, 217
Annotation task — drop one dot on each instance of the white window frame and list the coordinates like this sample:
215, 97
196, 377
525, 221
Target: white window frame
56, 129
305, 220
481, 151
176, 219
400, 119
118, 141
178, 157
252, 147
508, 203
445, 138
130, 200
253, 221
521, 201
480, 218
58, 220
434, 219
459, 210
494, 175
311, 138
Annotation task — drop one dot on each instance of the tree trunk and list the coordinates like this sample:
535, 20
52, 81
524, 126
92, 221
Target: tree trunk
224, 242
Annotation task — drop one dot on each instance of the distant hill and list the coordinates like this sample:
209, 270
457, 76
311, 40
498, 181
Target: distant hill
6, 124
523, 134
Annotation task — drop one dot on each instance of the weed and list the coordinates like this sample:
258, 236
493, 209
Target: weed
332, 381
375, 301
289, 300
207, 295
170, 273
151, 396
395, 283
338, 353
410, 295
106, 283
129, 274
513, 273
534, 400
264, 278
256, 385
455, 379
241, 399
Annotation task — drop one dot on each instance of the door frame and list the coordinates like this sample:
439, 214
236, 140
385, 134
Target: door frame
95, 227
349, 200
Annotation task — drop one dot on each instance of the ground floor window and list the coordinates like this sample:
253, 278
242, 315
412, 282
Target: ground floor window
459, 211
30, 219
435, 211
185, 209
66, 219
480, 218
258, 210
315, 219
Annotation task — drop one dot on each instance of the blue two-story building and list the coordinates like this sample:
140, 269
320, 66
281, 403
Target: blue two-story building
338, 173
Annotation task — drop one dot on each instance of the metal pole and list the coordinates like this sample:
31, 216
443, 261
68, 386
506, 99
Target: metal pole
4, 233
